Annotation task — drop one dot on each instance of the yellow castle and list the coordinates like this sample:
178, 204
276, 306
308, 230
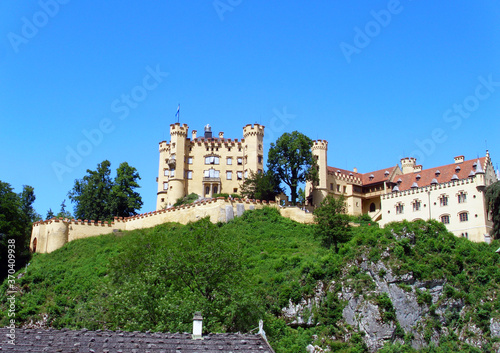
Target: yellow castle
206, 165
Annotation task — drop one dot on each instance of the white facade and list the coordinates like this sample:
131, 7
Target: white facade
441, 194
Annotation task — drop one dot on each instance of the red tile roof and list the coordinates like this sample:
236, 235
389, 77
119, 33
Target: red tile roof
445, 175
378, 175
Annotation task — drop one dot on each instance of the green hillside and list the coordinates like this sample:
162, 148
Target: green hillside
252, 267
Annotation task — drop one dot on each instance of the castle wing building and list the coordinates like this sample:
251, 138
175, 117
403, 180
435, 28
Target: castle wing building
452, 194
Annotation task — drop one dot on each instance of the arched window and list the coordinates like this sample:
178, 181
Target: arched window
34, 245
372, 207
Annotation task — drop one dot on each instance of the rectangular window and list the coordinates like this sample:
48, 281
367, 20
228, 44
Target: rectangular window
165, 186
344, 189
246, 174
240, 161
338, 188
239, 175
331, 186
165, 172
211, 160
443, 200
399, 208
416, 205
190, 160
464, 217
462, 197
189, 174
211, 173
445, 219
259, 159
229, 175
229, 161
172, 172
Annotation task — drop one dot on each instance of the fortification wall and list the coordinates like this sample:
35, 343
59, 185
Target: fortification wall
52, 234
297, 215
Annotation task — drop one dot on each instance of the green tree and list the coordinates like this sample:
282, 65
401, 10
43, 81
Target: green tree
332, 221
291, 160
15, 227
97, 197
50, 214
160, 283
63, 213
92, 194
493, 204
124, 200
261, 186
28, 197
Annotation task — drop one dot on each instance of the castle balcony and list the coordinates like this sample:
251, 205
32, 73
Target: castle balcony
171, 162
211, 180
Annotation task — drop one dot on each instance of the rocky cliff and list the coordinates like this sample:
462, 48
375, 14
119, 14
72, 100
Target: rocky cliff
385, 304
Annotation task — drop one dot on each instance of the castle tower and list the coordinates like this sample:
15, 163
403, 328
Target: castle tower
319, 191
253, 148
408, 165
171, 169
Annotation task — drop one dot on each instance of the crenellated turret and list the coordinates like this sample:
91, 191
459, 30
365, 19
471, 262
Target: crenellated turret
319, 191
409, 165
253, 148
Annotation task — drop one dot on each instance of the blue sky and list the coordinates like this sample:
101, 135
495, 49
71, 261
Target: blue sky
379, 80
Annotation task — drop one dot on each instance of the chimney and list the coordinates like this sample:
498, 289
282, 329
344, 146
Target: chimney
459, 159
193, 135
355, 170
208, 132
221, 135
197, 326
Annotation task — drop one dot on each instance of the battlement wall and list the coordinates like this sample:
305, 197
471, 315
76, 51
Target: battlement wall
178, 129
320, 145
253, 130
52, 234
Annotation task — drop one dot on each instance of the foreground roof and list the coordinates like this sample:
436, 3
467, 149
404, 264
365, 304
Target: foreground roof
84, 341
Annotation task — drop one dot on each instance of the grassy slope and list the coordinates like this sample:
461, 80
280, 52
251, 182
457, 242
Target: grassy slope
76, 285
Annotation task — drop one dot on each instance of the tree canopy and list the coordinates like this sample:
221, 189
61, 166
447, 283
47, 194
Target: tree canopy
16, 218
332, 221
261, 186
291, 160
493, 204
98, 197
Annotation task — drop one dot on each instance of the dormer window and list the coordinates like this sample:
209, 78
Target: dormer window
434, 181
386, 173
399, 181
418, 177
372, 176
457, 169
437, 173
454, 177
414, 185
